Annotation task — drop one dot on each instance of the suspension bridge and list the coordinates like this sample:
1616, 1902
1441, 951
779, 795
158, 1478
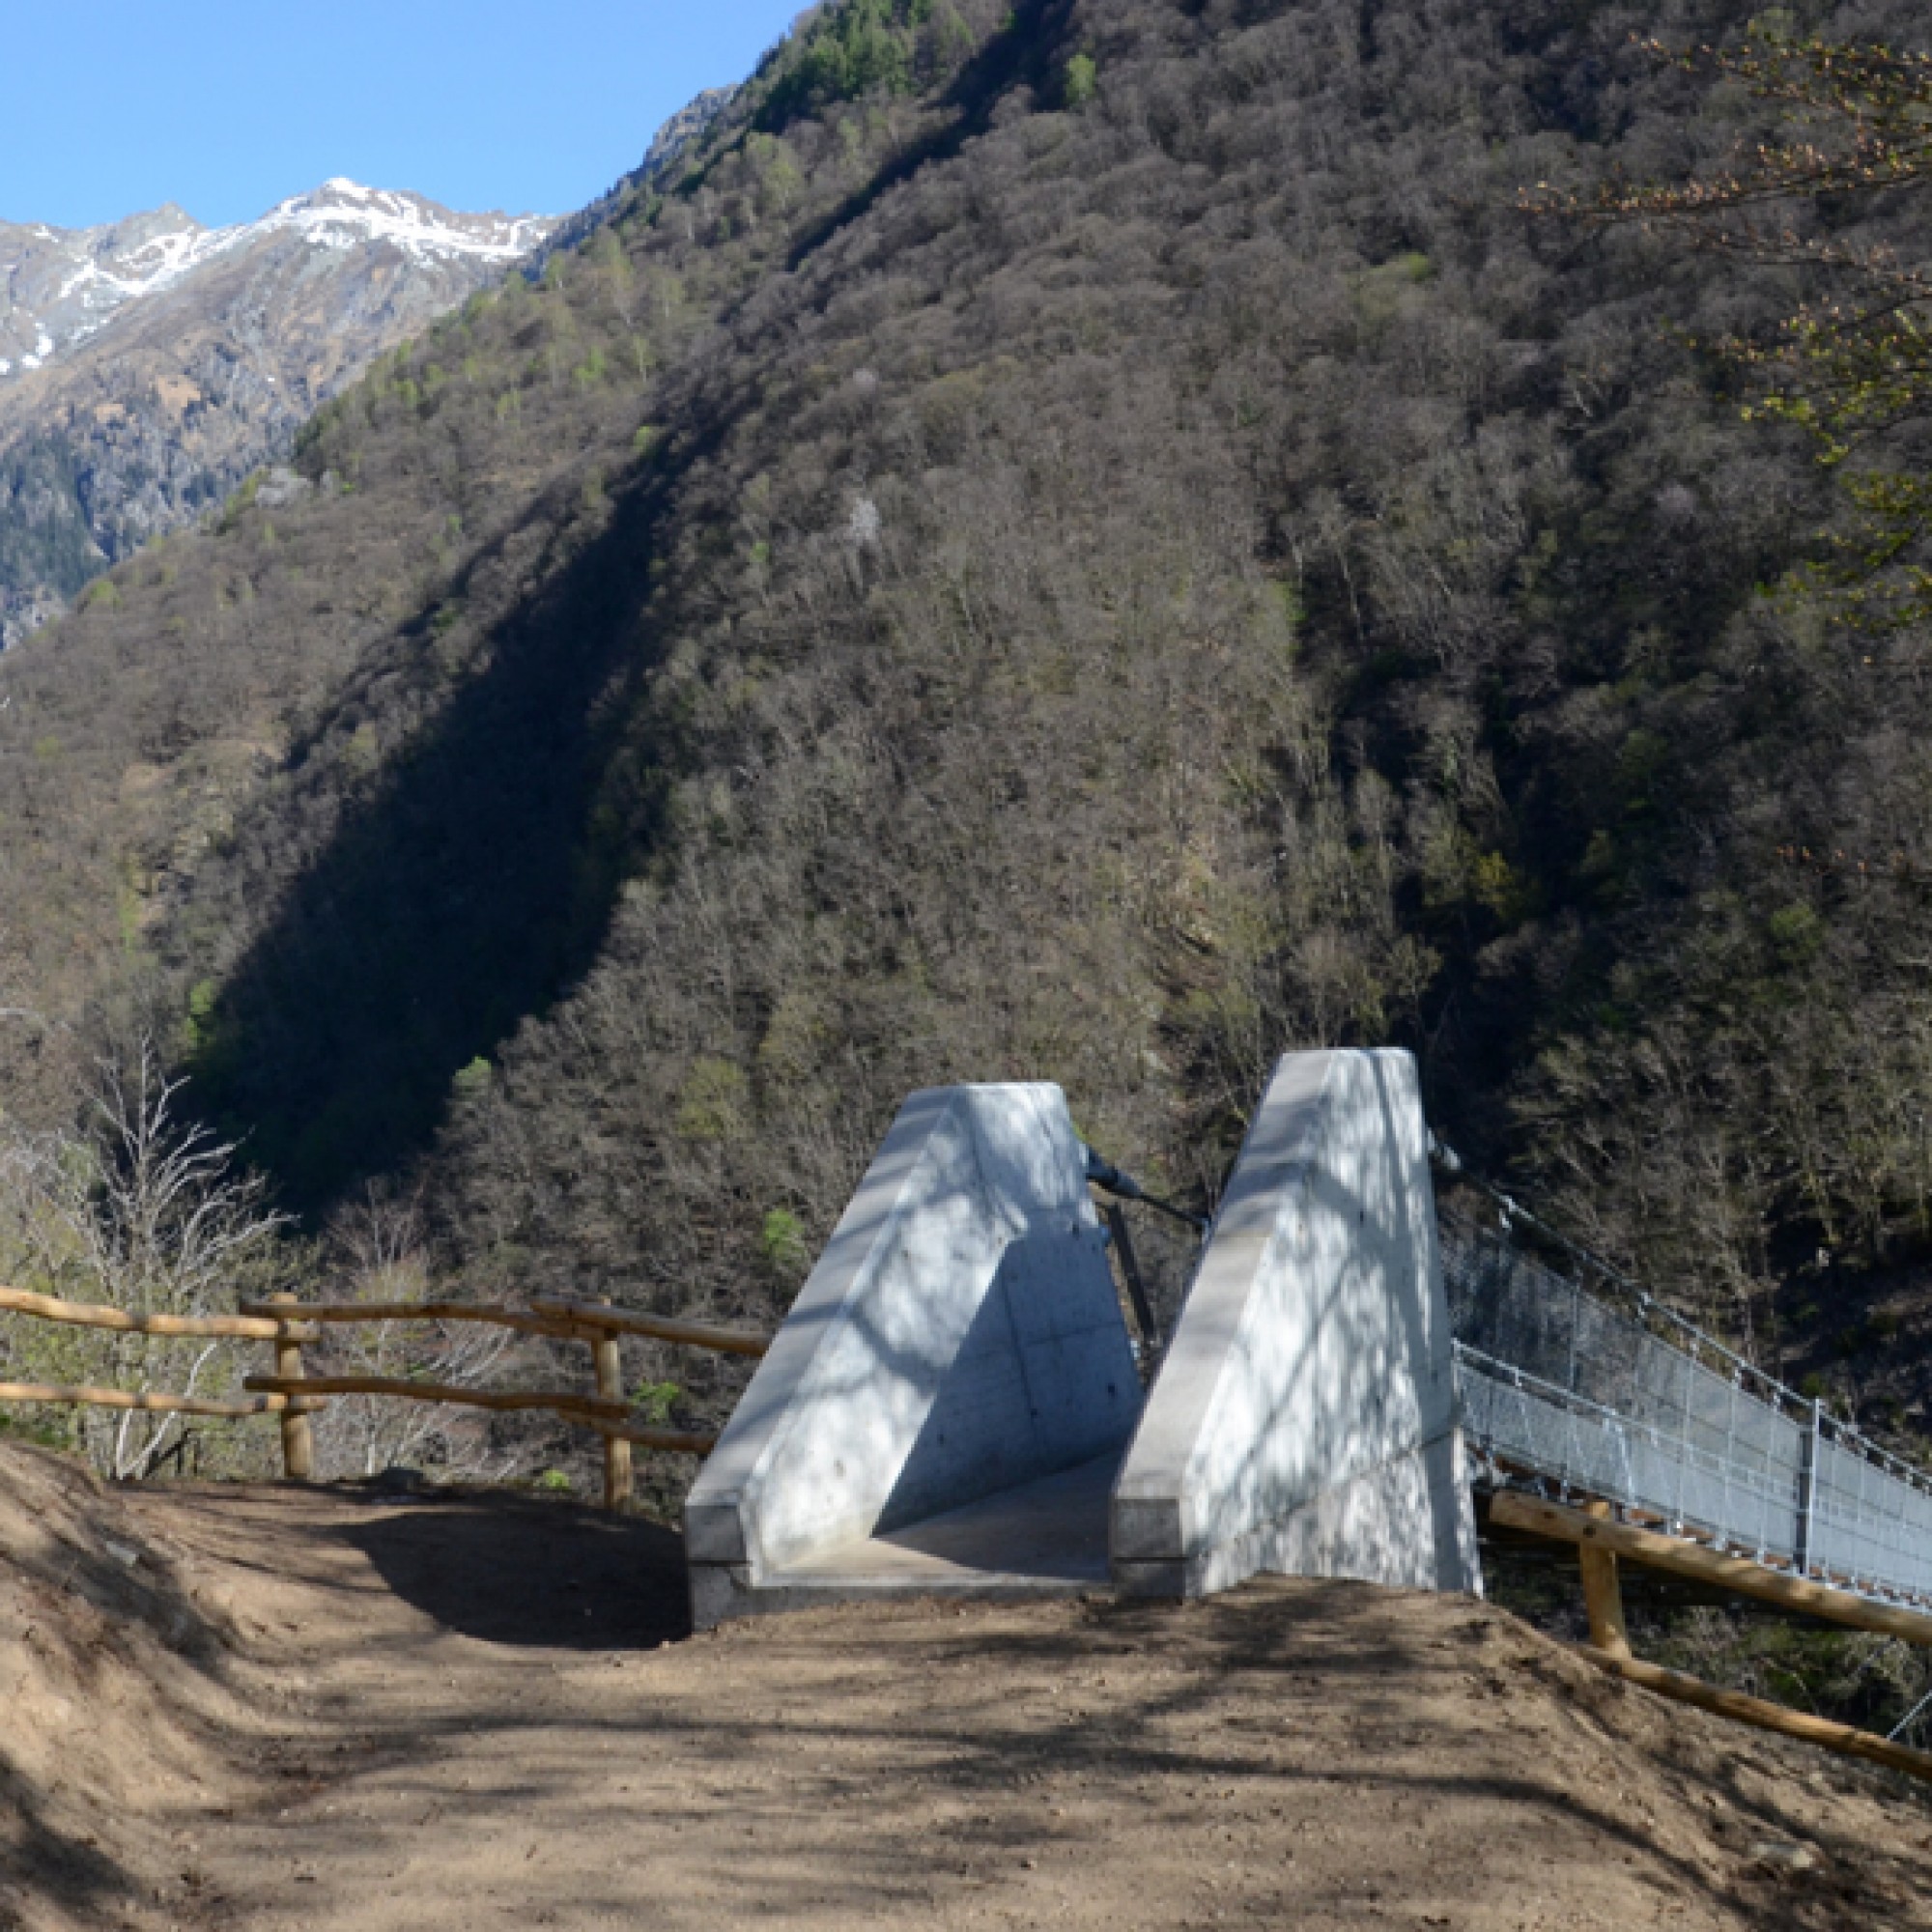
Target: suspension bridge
957, 1404
957, 1401
1563, 1392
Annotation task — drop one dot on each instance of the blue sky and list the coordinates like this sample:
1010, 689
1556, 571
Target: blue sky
116, 106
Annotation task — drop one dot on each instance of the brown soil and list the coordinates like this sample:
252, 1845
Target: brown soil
319, 1710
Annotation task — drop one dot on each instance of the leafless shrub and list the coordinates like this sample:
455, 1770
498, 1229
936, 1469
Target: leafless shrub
381, 1252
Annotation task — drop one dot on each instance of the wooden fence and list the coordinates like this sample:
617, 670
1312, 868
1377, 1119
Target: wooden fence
292, 1396
1599, 1541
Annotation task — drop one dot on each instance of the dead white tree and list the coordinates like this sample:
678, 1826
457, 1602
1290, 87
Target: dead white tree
141, 1208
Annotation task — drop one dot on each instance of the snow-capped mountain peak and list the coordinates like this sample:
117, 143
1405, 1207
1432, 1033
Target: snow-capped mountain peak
148, 365
344, 213
60, 287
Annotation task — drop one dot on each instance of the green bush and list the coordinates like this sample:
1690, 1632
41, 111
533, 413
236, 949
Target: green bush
782, 1240
656, 1399
713, 1103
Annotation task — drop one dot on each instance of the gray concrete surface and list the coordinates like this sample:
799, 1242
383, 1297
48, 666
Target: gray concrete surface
1043, 1538
960, 1339
1304, 1417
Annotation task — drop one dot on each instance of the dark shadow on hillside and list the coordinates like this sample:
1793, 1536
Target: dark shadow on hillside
532, 1575
1019, 51
464, 894
473, 886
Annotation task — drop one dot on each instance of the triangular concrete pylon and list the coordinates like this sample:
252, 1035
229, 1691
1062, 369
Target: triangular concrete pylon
1304, 1420
944, 1407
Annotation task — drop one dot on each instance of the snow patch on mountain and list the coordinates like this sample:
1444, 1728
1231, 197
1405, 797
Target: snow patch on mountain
345, 214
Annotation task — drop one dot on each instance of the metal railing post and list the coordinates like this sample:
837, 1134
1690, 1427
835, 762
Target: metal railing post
1131, 1272
1807, 1490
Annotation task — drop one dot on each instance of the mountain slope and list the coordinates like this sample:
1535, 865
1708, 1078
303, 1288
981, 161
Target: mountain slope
1095, 544
146, 368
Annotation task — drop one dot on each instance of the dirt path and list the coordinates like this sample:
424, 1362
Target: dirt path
463, 1715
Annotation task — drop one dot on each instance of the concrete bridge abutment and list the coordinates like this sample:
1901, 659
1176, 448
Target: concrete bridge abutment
952, 1406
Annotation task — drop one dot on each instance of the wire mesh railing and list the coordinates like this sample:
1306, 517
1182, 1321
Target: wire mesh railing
1562, 1385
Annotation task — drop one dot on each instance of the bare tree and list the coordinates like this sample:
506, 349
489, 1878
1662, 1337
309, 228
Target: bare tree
141, 1208
381, 1252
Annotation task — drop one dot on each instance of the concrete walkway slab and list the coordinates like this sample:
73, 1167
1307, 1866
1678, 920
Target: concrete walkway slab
1045, 1537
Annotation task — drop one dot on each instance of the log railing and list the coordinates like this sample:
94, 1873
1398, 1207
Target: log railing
294, 1396
92, 1315
1599, 1541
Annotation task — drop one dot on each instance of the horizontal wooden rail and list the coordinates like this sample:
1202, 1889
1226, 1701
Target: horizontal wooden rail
671, 1439
586, 1407
338, 1314
250, 1326
1691, 1560
294, 1396
1735, 1705
659, 1327
609, 1418
150, 1405
559, 1317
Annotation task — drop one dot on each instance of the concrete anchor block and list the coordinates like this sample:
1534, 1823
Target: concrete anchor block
1304, 1419
959, 1338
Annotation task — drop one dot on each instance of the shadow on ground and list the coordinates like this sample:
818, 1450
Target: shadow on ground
532, 1575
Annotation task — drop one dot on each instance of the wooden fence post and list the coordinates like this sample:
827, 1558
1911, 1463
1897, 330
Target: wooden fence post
610, 1387
1602, 1592
298, 1437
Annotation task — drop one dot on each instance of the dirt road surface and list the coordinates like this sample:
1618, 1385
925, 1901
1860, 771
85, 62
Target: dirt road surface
315, 1711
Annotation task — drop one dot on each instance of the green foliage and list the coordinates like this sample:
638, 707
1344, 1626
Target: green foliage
775, 164
657, 1401
712, 1104
847, 51
43, 1428
1079, 80
556, 1483
782, 1241
471, 1081
1496, 885
1796, 931
198, 1030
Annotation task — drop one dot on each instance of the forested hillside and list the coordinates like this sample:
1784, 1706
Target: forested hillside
1097, 543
